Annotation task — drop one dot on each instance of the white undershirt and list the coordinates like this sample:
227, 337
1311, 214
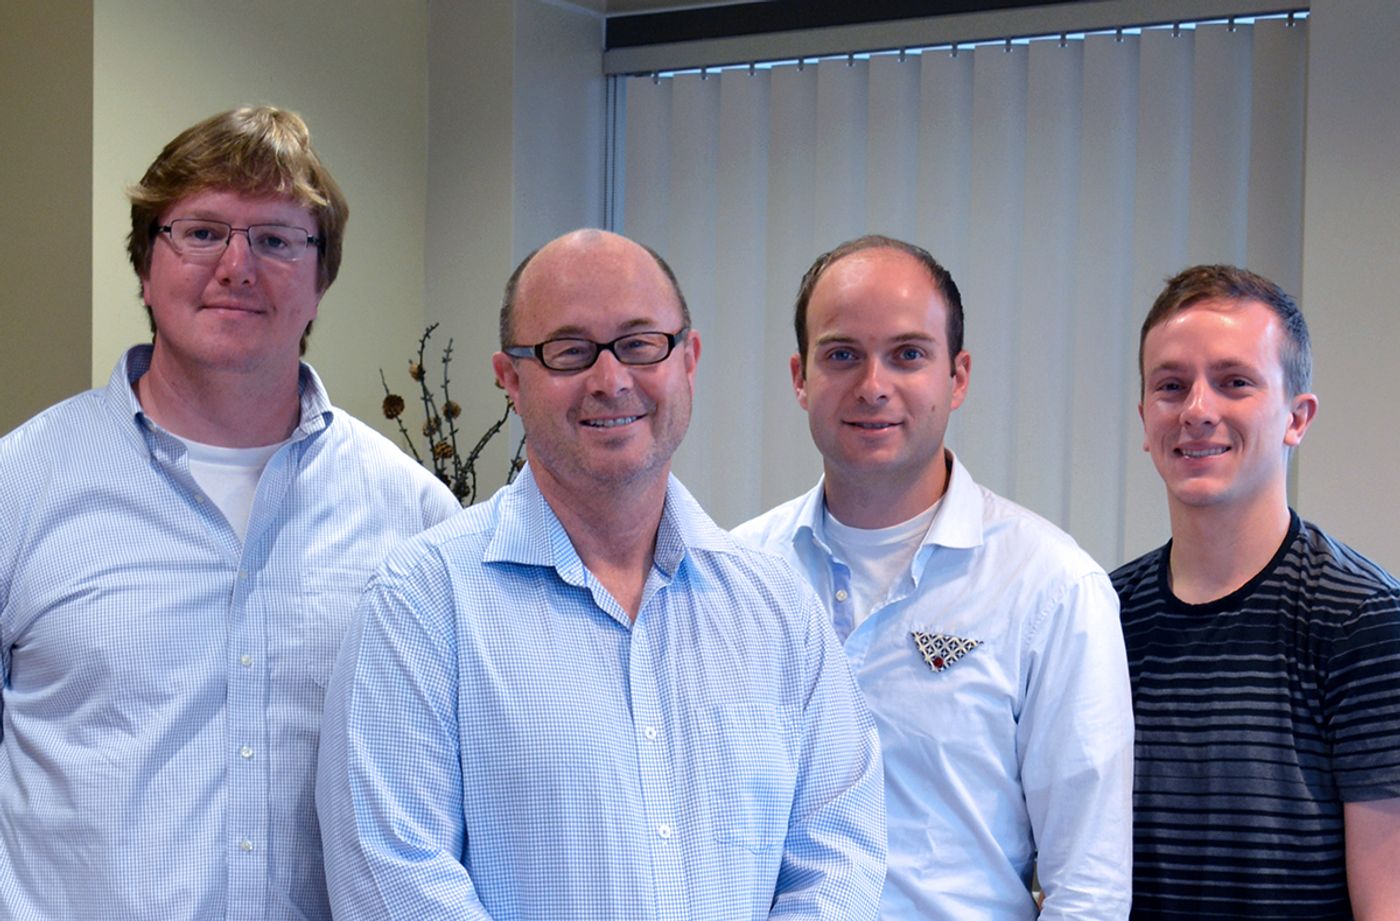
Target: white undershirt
878, 557
229, 477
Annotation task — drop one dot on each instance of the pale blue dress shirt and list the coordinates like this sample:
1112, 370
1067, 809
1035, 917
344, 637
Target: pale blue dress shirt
502, 742
1009, 743
162, 683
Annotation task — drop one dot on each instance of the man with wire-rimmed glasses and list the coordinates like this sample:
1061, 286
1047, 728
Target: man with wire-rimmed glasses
181, 553
582, 699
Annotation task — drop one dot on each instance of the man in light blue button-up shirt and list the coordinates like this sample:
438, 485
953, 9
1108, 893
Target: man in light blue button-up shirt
181, 552
582, 700
985, 640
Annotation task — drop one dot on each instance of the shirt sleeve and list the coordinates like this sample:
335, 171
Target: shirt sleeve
1362, 701
389, 781
833, 862
1075, 737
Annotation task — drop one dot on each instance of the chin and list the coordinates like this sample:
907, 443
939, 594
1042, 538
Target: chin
1197, 497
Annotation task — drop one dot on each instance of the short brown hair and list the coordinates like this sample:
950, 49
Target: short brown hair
1230, 283
942, 281
253, 150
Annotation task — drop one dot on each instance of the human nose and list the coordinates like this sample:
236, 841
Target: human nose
871, 386
608, 375
1199, 407
236, 262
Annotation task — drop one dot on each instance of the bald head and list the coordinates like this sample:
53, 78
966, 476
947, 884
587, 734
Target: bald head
585, 257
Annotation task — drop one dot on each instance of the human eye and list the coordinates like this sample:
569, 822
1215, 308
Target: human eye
641, 347
839, 355
567, 353
910, 354
274, 240
199, 233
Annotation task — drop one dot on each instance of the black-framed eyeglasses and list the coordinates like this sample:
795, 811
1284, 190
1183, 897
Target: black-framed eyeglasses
199, 240
572, 354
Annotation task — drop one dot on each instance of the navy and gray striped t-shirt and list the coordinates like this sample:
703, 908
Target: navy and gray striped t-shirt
1258, 715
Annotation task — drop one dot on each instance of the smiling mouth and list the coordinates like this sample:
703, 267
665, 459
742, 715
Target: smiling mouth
609, 423
873, 426
1201, 452
236, 308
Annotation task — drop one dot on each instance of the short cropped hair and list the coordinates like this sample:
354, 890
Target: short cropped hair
507, 318
1230, 283
942, 282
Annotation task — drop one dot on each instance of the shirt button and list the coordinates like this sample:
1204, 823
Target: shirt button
664, 830
246, 752
842, 594
650, 733
198, 500
245, 660
242, 573
245, 846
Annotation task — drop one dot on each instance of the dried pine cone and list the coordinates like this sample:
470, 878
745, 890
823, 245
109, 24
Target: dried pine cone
393, 406
430, 428
442, 450
451, 409
415, 370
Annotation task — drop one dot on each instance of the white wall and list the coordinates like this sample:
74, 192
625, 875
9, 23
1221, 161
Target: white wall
356, 70
1349, 466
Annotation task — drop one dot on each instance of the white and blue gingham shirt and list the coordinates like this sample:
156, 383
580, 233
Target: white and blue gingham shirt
502, 742
162, 683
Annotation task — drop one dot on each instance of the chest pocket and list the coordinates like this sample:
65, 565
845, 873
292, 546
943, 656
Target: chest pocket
329, 598
747, 776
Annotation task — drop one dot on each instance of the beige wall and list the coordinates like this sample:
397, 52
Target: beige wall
515, 157
466, 134
46, 153
1349, 466
357, 71
516, 91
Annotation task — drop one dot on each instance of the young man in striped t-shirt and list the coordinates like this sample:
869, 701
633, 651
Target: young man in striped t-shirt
1264, 654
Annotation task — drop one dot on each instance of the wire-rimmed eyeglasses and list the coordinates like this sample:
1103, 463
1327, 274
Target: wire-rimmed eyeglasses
574, 354
199, 240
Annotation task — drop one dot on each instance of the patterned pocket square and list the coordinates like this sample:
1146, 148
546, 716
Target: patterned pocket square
941, 650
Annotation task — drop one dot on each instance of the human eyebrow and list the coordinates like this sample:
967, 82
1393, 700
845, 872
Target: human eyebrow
1165, 367
210, 214
916, 338
1234, 366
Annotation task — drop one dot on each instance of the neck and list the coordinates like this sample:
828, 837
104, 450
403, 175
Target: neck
1216, 550
231, 409
613, 530
862, 501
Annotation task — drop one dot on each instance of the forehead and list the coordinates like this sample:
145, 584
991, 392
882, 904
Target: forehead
239, 208
594, 289
1215, 334
879, 289
1217, 325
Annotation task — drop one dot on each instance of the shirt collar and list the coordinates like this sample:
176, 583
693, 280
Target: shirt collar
530, 533
316, 410
958, 523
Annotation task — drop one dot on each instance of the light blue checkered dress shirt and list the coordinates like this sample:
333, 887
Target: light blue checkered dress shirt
502, 742
162, 684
